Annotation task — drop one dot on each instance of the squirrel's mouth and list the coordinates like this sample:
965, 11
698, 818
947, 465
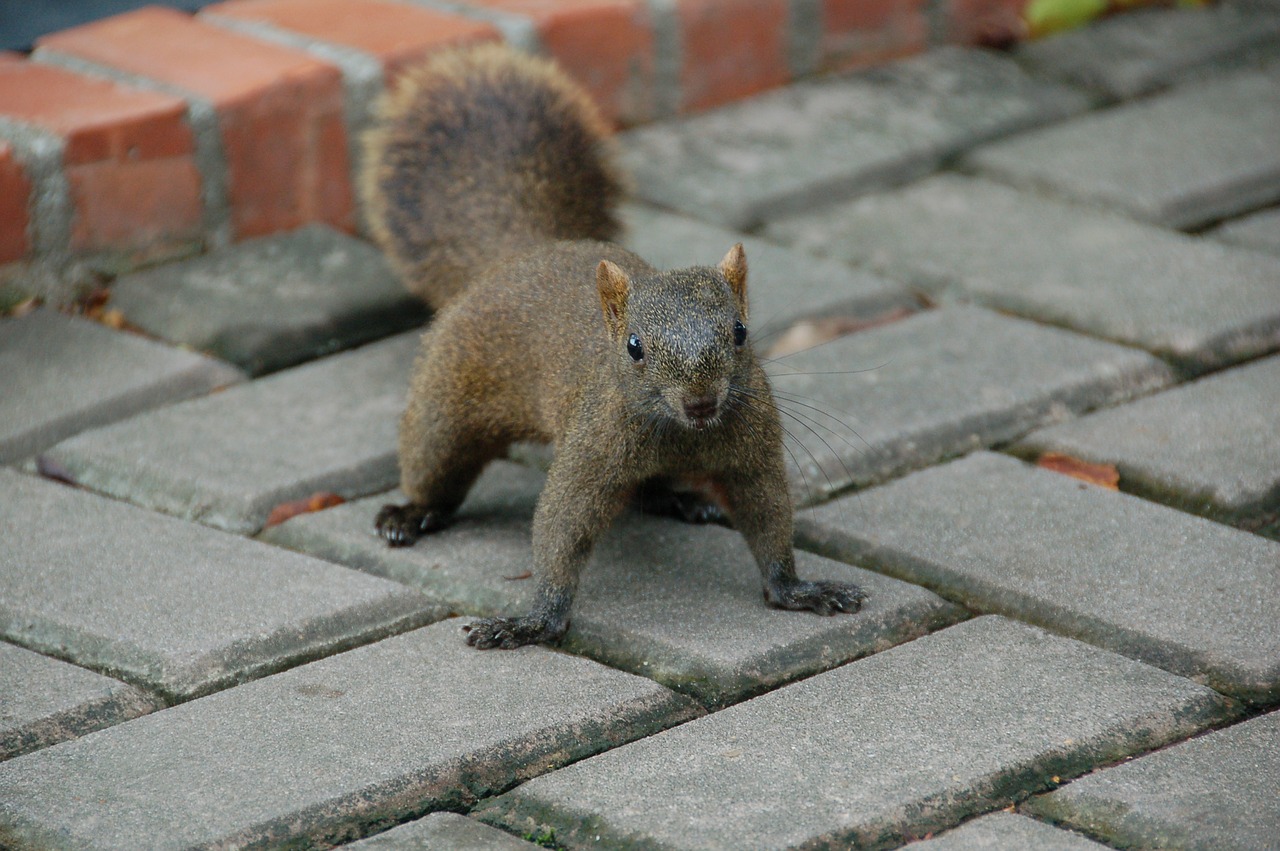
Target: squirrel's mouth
701, 412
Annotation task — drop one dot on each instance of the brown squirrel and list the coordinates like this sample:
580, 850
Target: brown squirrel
489, 183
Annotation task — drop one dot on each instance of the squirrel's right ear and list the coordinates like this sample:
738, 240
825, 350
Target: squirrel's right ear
614, 287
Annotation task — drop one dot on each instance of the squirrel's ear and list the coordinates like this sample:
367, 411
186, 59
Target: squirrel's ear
614, 287
734, 269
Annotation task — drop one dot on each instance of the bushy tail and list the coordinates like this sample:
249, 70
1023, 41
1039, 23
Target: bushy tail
477, 155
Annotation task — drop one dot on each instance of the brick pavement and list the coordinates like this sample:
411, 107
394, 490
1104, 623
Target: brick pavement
1101, 663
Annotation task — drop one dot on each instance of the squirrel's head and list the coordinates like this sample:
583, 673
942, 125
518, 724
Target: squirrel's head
680, 337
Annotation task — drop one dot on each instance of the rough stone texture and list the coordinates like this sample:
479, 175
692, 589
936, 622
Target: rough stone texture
905, 742
1221, 790
1007, 831
1182, 159
46, 701
329, 751
821, 141
175, 607
443, 832
1146, 49
273, 302
60, 375
1174, 590
1260, 231
1207, 447
783, 285
677, 603
875, 404
227, 460
1191, 300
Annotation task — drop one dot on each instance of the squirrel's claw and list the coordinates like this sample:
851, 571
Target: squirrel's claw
509, 633
402, 525
824, 596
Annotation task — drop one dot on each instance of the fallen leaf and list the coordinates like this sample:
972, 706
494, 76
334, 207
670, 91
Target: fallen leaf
51, 469
1102, 475
518, 576
112, 317
808, 333
318, 501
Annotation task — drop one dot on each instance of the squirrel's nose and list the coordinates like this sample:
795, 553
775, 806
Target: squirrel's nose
700, 409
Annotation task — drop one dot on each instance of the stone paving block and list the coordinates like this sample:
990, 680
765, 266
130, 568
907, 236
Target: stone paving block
1221, 790
876, 404
1181, 159
677, 603
783, 285
273, 302
329, 751
227, 460
60, 375
1260, 231
821, 141
1208, 447
173, 606
1177, 591
1000, 831
46, 701
443, 832
1194, 301
906, 742
1147, 49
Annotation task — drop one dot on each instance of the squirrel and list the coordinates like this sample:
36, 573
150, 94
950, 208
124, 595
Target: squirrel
490, 184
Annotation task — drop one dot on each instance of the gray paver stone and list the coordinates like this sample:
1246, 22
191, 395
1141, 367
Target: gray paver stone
45, 701
173, 606
1221, 790
1007, 832
1207, 447
1195, 301
906, 742
329, 751
1260, 231
443, 832
1146, 49
875, 404
227, 460
1181, 159
677, 603
60, 375
272, 302
817, 142
1177, 591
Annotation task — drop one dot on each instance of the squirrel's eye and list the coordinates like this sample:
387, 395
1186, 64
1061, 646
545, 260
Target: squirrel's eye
635, 349
739, 333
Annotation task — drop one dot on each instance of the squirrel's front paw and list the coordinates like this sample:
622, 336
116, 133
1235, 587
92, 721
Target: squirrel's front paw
824, 597
509, 633
401, 525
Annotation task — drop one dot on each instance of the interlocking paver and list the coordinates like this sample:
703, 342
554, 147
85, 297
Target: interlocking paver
905, 742
677, 603
817, 142
1147, 49
1259, 231
60, 375
331, 750
878, 403
227, 460
1207, 447
272, 302
46, 701
1195, 301
173, 606
1181, 159
1178, 591
1221, 790
446, 832
1008, 831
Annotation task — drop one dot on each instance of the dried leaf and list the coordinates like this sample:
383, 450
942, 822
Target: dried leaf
112, 317
318, 501
1102, 475
518, 576
51, 469
808, 333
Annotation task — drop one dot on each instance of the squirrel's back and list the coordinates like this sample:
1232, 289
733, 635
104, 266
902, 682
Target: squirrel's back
478, 155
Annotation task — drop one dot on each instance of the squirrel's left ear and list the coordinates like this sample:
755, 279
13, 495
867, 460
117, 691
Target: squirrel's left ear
614, 287
734, 269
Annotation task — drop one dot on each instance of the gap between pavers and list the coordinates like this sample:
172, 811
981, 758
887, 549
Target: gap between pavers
60, 375
908, 741
175, 607
1220, 790
1005, 830
443, 832
676, 603
1177, 591
227, 460
1260, 231
330, 751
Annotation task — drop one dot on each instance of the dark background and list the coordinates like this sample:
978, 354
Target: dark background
22, 21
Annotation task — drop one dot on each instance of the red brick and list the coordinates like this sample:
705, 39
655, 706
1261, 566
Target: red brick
732, 48
865, 32
15, 196
279, 110
136, 203
607, 45
396, 33
990, 23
